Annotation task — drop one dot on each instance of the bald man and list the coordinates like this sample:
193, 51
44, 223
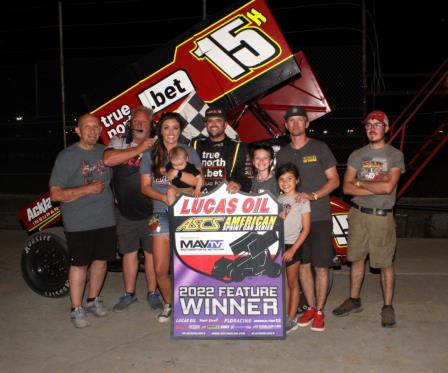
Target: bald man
80, 182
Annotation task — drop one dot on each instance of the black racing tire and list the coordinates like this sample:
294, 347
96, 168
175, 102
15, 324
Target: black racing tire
45, 263
236, 275
273, 270
221, 268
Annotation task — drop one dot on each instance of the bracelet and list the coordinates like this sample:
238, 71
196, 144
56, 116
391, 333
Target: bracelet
315, 196
358, 184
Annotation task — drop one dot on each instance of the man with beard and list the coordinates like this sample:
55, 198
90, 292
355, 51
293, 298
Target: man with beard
371, 177
221, 157
124, 154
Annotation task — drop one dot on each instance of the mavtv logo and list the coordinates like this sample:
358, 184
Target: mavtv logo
201, 244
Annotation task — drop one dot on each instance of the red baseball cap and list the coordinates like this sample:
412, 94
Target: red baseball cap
379, 116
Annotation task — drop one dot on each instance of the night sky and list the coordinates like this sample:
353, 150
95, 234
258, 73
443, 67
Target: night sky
101, 37
411, 37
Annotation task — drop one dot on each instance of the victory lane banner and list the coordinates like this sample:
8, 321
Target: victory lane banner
227, 266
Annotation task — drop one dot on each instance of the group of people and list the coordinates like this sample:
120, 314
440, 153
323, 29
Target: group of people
148, 172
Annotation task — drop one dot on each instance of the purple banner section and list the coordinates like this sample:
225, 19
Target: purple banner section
227, 268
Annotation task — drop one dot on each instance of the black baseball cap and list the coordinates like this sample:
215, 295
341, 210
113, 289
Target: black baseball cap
295, 110
215, 112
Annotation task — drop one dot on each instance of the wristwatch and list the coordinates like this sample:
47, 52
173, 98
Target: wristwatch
358, 184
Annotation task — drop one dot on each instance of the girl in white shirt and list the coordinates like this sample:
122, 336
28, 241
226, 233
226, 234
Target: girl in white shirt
297, 223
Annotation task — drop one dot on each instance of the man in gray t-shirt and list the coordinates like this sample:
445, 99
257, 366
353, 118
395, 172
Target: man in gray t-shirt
318, 178
371, 178
80, 182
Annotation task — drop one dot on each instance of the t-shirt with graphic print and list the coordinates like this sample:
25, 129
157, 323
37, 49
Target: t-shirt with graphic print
260, 186
160, 182
374, 165
312, 160
75, 167
293, 219
225, 160
131, 203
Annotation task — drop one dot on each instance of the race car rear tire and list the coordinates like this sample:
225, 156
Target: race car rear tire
45, 263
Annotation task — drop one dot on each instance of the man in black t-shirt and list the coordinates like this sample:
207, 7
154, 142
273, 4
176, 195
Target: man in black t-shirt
124, 154
222, 158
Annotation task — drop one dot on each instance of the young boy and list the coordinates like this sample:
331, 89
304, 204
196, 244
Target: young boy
179, 161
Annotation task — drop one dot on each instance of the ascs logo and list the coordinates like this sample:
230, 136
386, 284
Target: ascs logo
201, 244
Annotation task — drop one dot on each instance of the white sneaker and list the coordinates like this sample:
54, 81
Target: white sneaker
79, 318
96, 307
165, 315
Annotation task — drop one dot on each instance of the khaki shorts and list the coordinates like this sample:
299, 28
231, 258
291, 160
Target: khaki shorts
371, 235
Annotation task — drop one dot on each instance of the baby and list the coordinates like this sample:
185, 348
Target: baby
179, 161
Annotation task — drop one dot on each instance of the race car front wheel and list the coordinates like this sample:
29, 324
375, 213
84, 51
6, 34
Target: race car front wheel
45, 263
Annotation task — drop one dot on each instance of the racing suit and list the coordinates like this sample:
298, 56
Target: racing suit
223, 160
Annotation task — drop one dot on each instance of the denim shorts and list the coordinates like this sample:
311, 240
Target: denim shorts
159, 224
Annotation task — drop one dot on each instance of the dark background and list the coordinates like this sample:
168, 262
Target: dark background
406, 43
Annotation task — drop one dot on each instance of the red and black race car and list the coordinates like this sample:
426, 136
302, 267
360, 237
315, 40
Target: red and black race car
239, 60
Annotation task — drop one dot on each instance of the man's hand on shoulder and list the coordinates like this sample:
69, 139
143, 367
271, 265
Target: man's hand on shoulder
303, 197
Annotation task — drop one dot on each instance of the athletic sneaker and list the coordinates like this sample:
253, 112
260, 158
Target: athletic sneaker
79, 318
96, 307
347, 307
154, 300
165, 315
307, 318
318, 324
302, 308
124, 302
290, 325
388, 317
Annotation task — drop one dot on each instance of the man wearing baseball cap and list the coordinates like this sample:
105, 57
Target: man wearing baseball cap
372, 175
223, 159
318, 178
